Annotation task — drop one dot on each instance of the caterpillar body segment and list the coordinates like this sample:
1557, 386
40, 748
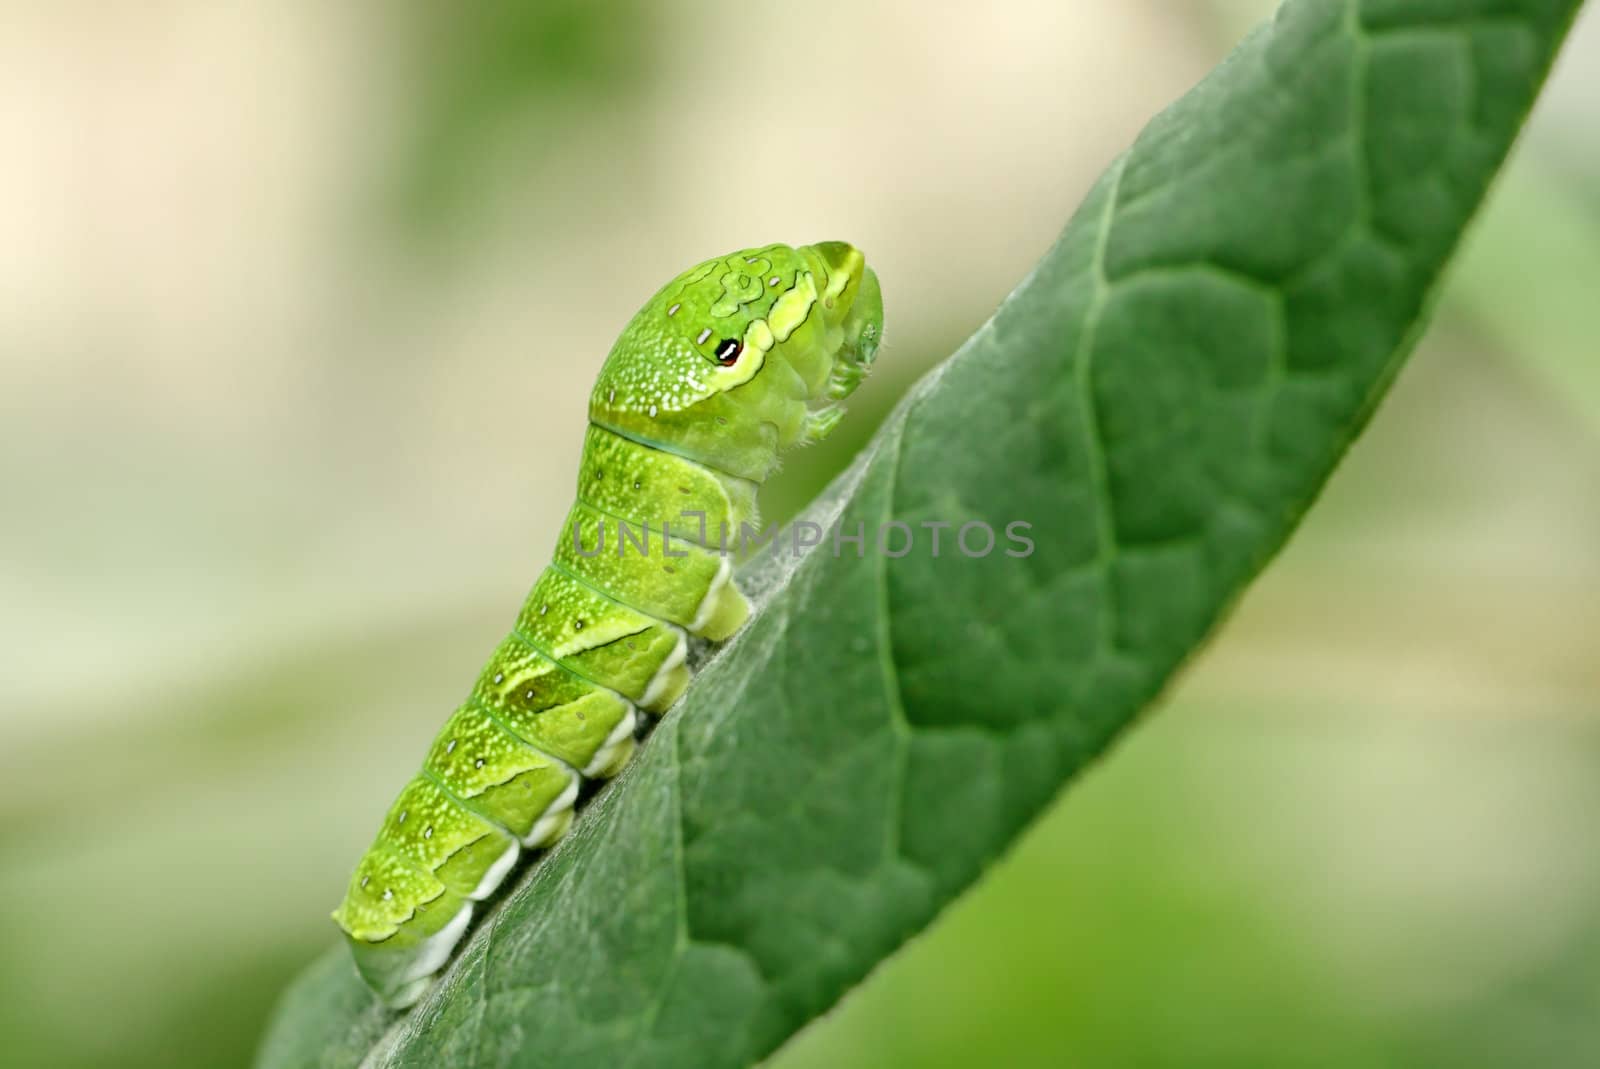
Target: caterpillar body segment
732, 362
665, 576
624, 647
461, 849
549, 708
494, 773
615, 471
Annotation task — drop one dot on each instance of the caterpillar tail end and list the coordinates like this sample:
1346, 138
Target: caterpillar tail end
401, 967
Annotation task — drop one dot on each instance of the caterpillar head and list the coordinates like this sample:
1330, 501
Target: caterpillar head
745, 355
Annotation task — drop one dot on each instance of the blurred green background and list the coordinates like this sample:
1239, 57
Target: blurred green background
299, 306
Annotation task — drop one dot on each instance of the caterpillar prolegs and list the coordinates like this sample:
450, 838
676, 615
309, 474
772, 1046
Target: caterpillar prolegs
732, 362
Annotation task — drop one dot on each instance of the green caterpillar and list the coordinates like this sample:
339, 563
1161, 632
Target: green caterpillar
732, 362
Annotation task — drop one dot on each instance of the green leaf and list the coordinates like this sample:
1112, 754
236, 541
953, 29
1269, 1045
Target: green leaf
1161, 399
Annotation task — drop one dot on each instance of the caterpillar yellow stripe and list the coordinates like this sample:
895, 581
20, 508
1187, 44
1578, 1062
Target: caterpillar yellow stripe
734, 361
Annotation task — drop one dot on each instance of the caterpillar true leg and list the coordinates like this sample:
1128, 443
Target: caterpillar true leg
732, 362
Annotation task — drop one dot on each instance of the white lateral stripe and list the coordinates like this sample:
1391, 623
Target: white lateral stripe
555, 813
658, 682
708, 604
434, 951
408, 995
497, 872
608, 749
